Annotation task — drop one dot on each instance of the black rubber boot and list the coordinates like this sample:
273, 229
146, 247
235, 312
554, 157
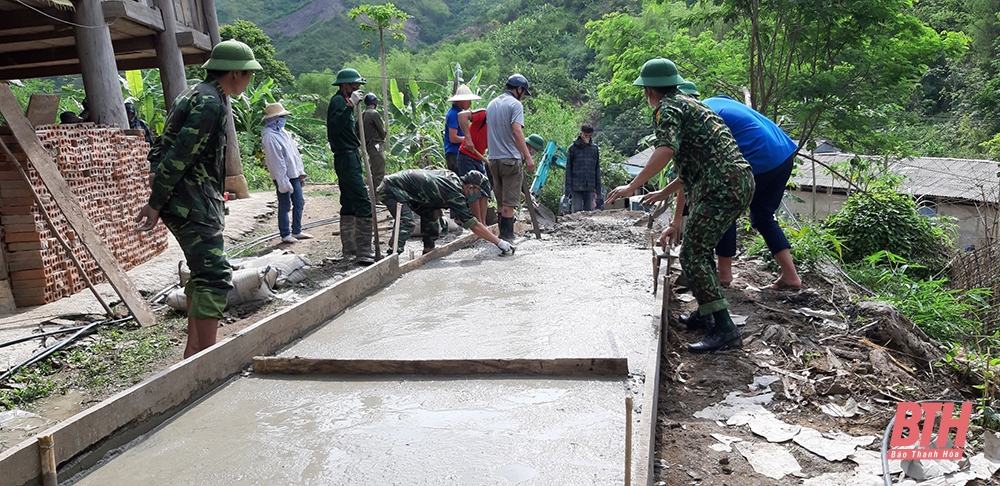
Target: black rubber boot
723, 334
693, 321
507, 229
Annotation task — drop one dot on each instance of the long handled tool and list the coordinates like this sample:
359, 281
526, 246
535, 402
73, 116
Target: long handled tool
371, 182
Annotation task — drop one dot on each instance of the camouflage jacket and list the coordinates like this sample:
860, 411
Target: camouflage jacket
341, 131
428, 190
706, 156
189, 159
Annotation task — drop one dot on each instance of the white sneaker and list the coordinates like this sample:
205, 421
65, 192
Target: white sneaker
289, 239
302, 236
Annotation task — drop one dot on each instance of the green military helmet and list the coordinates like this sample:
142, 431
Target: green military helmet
536, 141
348, 76
688, 88
232, 55
658, 73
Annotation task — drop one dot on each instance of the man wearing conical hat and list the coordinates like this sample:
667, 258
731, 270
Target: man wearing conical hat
188, 170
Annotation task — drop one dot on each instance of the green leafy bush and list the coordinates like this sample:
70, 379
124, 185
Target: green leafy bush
883, 219
811, 244
944, 313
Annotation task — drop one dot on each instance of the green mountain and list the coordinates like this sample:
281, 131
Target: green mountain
314, 35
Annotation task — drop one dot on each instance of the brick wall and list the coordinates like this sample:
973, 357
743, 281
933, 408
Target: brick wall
106, 169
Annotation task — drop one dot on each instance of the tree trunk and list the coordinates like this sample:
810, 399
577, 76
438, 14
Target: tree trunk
235, 182
385, 92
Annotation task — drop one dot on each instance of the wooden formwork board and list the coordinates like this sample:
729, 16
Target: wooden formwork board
561, 367
84, 438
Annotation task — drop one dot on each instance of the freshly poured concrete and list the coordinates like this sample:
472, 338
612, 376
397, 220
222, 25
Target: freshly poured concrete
414, 432
550, 300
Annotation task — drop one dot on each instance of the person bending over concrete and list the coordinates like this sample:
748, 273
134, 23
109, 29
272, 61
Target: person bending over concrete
719, 185
425, 192
188, 167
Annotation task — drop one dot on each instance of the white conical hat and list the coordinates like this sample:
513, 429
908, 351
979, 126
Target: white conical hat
463, 93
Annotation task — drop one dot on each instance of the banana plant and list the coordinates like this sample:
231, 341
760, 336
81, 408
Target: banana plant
146, 94
417, 126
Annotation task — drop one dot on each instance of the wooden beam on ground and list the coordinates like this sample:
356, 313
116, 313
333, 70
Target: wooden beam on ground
442, 367
64, 198
643, 466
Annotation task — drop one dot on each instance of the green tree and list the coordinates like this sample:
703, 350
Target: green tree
381, 19
248, 32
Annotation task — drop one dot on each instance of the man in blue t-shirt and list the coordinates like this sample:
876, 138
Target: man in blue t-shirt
771, 154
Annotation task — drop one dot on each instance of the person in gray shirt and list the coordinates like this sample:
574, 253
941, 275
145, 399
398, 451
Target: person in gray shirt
505, 136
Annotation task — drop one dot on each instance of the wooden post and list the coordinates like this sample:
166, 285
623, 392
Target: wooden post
395, 230
628, 441
47, 456
235, 181
98, 65
6, 296
168, 55
64, 198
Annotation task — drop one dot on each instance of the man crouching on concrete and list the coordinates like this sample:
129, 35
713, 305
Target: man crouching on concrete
425, 191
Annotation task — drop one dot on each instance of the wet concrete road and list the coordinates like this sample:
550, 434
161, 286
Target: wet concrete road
550, 300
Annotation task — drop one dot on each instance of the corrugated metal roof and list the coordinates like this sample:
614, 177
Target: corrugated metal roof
971, 179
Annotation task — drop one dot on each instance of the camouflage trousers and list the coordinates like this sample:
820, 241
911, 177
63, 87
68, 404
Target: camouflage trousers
211, 275
354, 199
711, 214
430, 227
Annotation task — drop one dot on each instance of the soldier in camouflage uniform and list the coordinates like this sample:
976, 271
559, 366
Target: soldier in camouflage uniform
374, 138
341, 132
425, 192
717, 182
188, 173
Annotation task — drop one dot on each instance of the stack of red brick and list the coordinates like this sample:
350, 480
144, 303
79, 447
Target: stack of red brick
106, 169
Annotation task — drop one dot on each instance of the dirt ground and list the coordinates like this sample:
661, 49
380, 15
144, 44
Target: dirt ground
819, 347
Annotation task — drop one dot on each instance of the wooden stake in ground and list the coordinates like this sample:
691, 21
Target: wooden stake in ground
64, 198
628, 441
47, 455
59, 237
371, 182
526, 191
395, 231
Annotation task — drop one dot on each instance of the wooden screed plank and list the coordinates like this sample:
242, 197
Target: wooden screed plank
447, 367
42, 161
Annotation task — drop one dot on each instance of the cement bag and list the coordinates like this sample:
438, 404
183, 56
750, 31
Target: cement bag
252, 284
183, 273
291, 268
446, 224
177, 300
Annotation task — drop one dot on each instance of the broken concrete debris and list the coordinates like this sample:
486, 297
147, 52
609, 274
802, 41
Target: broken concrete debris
769, 459
774, 460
